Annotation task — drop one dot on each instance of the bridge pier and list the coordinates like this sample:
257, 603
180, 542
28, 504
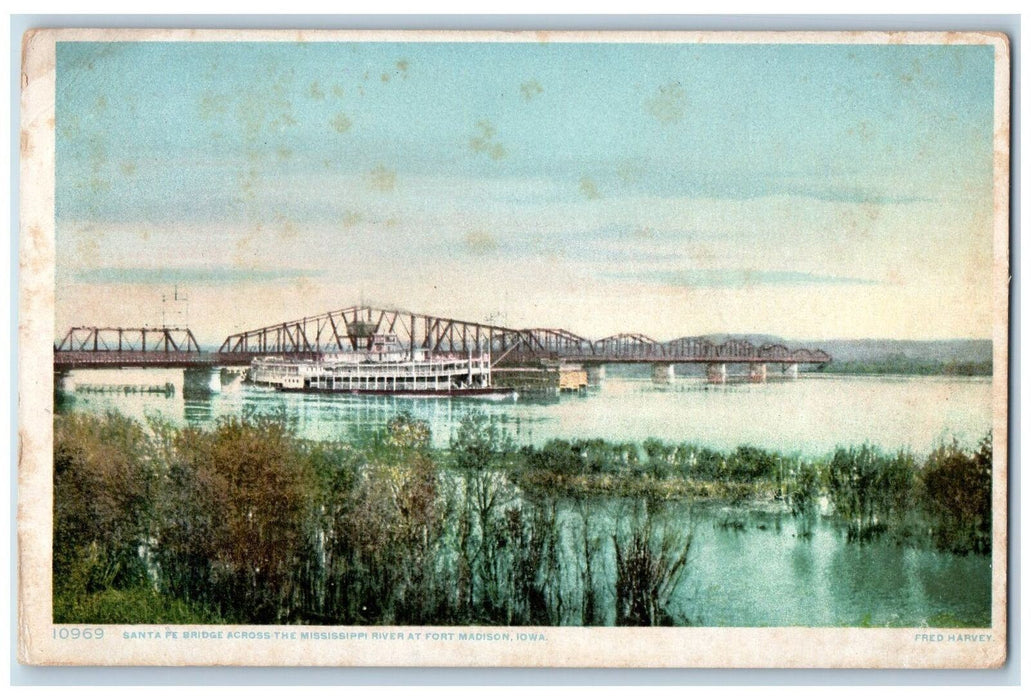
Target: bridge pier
232, 376
716, 372
790, 371
63, 382
663, 373
595, 374
202, 381
757, 372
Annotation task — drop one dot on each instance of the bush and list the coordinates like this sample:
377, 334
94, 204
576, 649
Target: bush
748, 463
479, 442
957, 493
651, 561
557, 457
104, 498
246, 523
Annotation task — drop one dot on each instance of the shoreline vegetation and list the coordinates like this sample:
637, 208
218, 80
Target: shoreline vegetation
244, 522
903, 365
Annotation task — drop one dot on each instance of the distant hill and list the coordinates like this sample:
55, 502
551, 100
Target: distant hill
875, 349
946, 351
754, 339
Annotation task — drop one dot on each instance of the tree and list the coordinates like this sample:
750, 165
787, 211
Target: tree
957, 492
479, 442
234, 516
104, 484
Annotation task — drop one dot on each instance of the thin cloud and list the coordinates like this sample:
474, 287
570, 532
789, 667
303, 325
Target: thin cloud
738, 278
190, 275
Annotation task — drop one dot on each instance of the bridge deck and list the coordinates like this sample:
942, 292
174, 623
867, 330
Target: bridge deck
89, 359
86, 359
349, 329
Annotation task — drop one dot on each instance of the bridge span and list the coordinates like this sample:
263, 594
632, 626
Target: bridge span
93, 347
345, 329
342, 330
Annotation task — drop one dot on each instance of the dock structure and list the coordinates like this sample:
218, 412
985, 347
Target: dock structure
343, 329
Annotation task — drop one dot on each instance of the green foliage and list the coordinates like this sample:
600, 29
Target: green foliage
949, 619
898, 363
870, 490
233, 529
518, 574
957, 492
246, 523
105, 510
407, 435
118, 606
748, 463
480, 442
654, 468
803, 497
651, 559
590, 558
557, 456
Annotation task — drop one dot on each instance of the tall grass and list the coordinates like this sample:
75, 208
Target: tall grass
651, 560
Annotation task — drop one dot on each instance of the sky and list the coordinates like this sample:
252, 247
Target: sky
804, 191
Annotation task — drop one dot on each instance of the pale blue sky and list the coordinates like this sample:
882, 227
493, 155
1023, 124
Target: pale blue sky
800, 190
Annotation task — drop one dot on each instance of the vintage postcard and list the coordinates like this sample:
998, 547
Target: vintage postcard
586, 349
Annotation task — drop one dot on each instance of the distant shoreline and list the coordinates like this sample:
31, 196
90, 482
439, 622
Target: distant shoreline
908, 367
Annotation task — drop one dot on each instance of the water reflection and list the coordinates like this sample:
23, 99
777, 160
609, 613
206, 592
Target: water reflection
826, 581
810, 416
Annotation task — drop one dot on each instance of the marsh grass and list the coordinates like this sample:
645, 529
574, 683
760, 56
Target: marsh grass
651, 561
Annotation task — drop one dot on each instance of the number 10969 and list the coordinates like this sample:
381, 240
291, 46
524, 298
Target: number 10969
65, 633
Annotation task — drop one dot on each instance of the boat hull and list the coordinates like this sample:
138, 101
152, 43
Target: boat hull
472, 391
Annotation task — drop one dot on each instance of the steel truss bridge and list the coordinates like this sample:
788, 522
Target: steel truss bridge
334, 332
346, 329
93, 346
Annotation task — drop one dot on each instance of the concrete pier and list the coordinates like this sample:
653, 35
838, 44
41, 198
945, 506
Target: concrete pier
716, 373
202, 381
757, 372
663, 373
595, 374
63, 382
790, 371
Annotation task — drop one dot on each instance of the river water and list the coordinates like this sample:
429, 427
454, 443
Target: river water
809, 416
824, 580
759, 575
